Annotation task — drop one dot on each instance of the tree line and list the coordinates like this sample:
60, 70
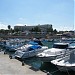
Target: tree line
49, 30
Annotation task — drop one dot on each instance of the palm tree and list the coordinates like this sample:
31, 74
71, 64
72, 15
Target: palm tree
9, 27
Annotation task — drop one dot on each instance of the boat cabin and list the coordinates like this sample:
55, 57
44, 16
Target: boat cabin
60, 45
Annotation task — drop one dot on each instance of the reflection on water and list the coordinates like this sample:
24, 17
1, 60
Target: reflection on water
46, 67
49, 44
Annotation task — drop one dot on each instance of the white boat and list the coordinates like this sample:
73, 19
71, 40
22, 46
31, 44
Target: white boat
29, 51
66, 63
24, 47
53, 53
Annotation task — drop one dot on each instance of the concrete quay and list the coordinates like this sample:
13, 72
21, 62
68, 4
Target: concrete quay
14, 67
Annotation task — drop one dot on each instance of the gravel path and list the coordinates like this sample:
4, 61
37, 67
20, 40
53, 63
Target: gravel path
14, 67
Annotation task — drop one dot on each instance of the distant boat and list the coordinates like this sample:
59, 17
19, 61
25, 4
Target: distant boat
69, 40
12, 45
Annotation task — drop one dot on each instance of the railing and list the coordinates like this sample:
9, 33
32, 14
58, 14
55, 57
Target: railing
66, 53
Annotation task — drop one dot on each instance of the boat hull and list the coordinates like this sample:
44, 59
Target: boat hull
47, 59
66, 68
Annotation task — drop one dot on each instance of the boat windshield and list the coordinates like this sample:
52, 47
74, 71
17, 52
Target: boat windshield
33, 48
33, 43
60, 46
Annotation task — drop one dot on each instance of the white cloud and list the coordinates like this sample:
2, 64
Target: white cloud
20, 24
21, 18
3, 26
64, 28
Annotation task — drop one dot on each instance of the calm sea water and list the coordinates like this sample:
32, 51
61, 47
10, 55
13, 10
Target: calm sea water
45, 66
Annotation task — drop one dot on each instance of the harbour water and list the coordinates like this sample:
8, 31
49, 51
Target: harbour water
45, 66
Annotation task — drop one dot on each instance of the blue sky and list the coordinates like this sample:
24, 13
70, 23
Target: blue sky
59, 13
